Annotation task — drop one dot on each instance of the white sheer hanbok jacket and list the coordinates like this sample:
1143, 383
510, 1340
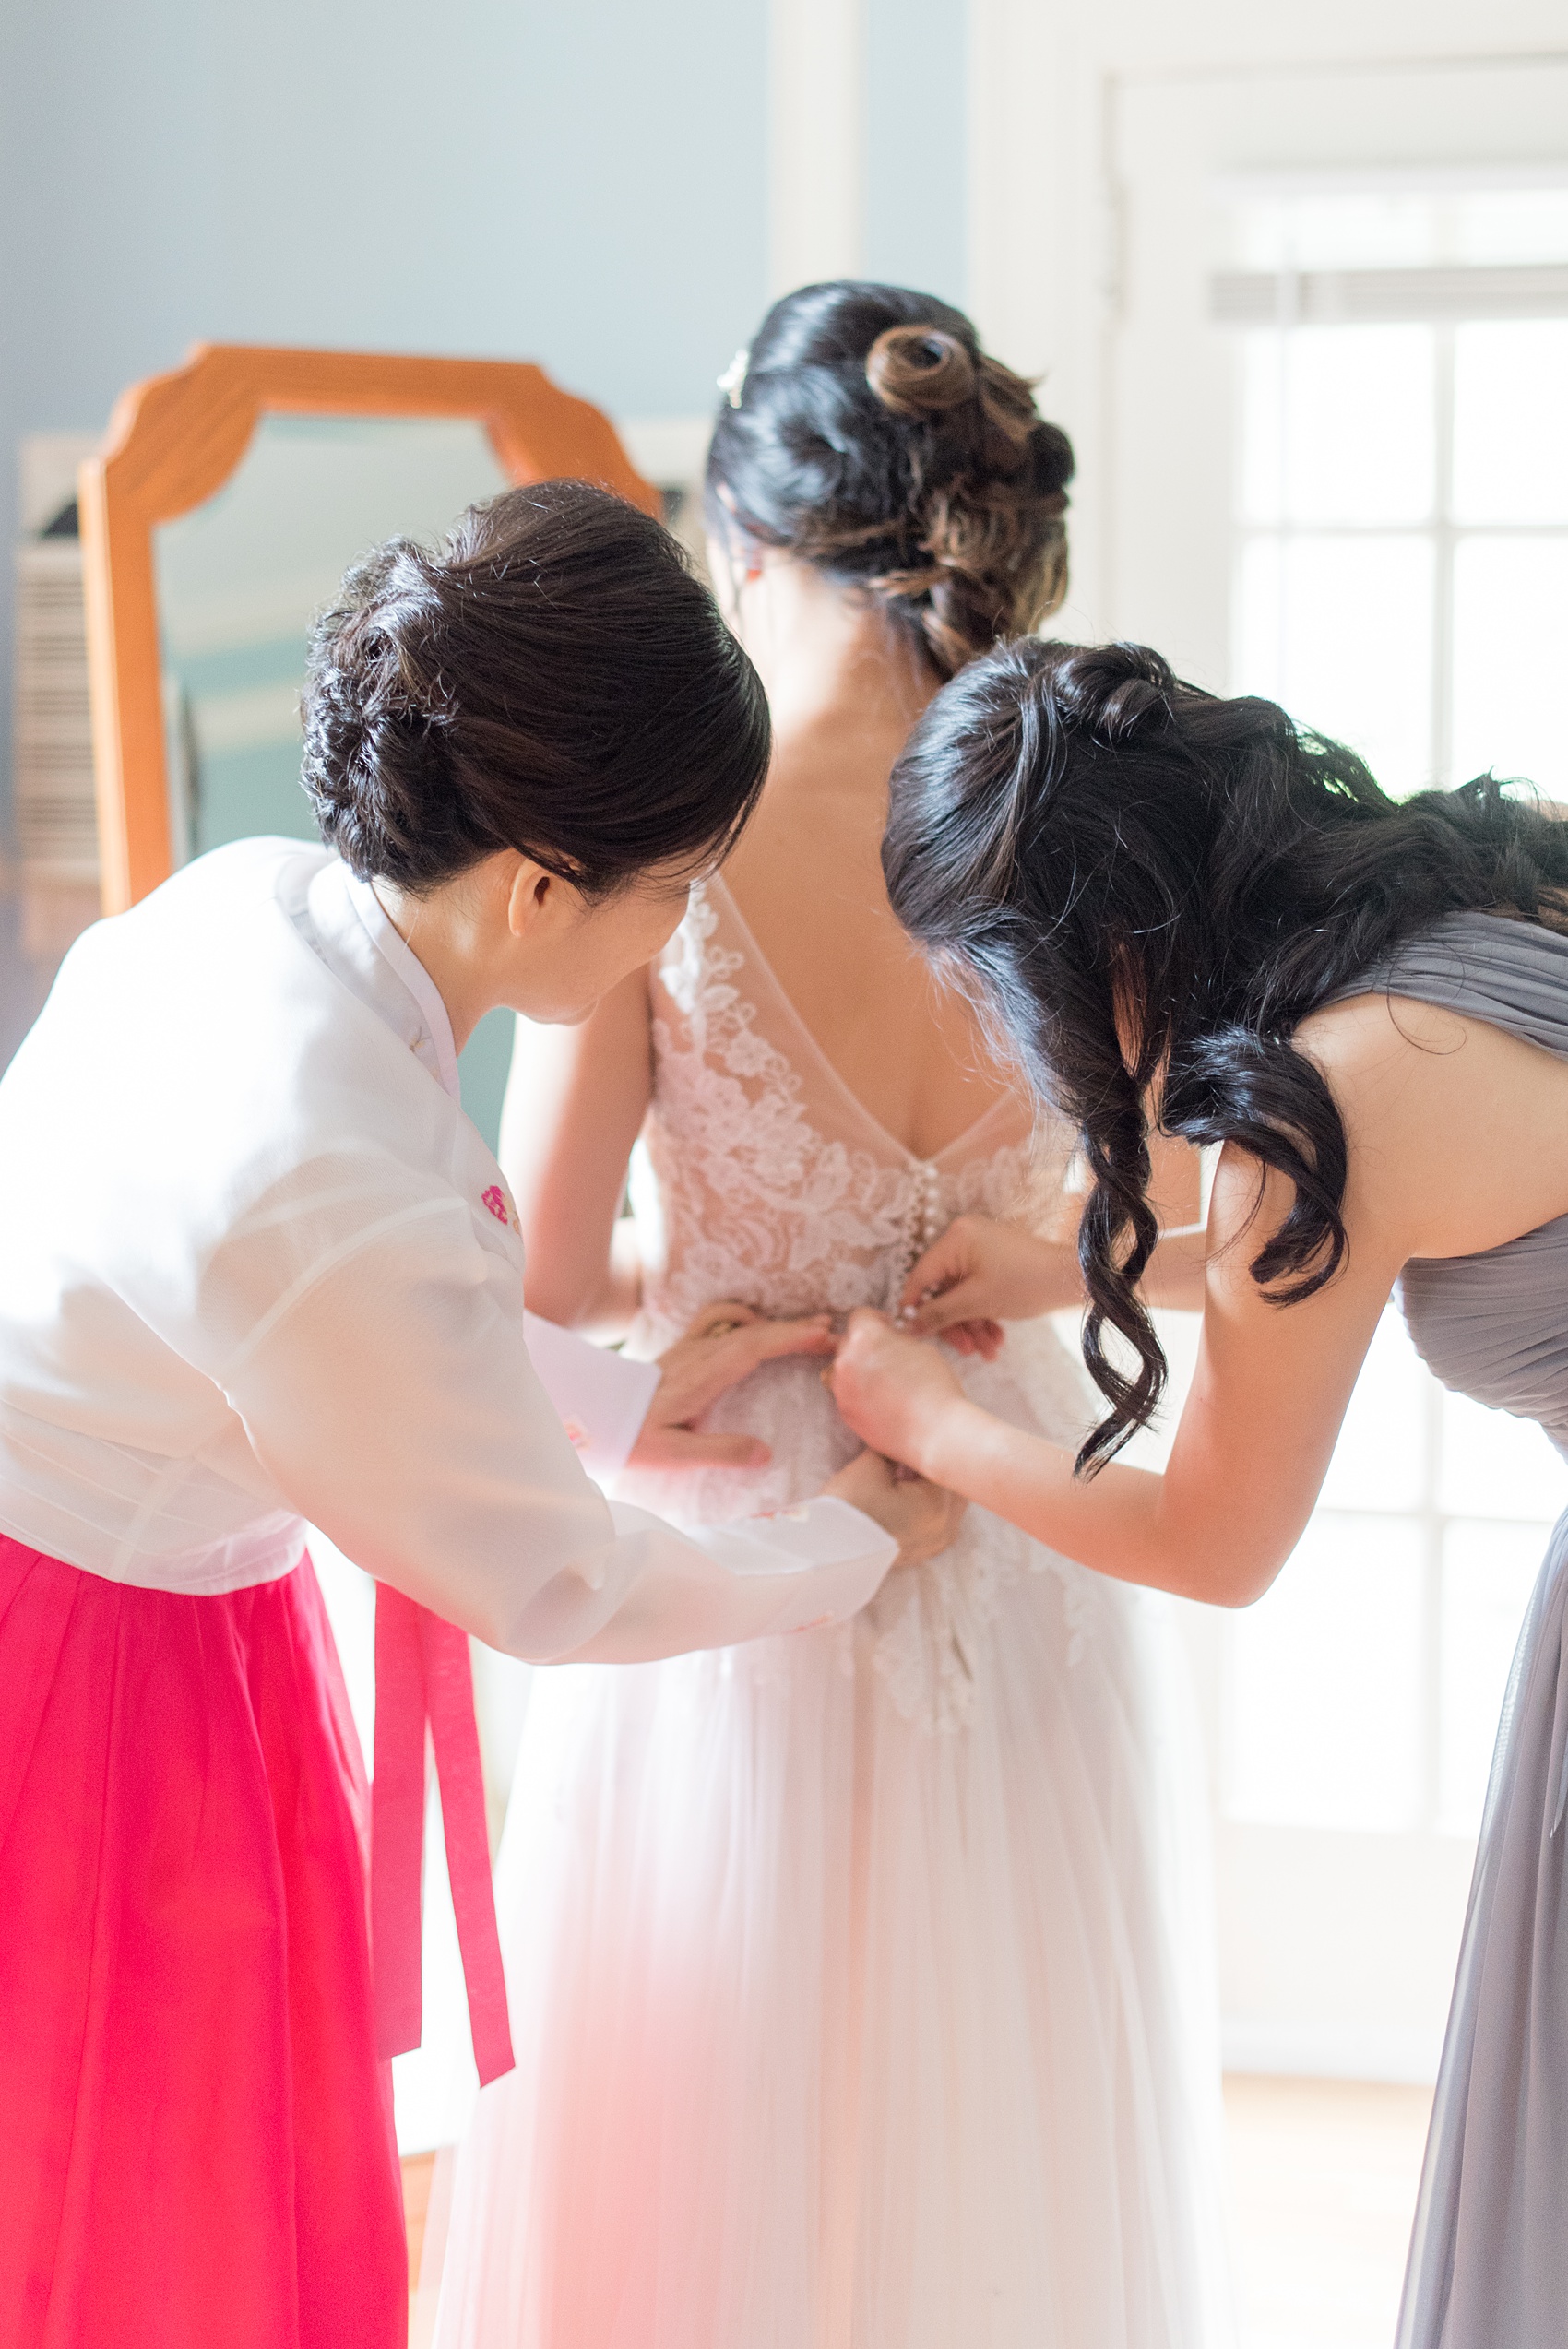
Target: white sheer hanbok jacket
257, 1269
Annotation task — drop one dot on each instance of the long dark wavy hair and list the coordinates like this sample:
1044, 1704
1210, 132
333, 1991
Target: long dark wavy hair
1110, 855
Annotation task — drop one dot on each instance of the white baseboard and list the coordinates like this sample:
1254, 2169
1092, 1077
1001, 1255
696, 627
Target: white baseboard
1398, 2053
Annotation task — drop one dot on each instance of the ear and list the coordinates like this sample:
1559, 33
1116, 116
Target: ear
530, 897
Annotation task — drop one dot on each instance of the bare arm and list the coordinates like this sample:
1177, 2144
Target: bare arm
980, 1274
1251, 1448
1458, 1141
576, 1101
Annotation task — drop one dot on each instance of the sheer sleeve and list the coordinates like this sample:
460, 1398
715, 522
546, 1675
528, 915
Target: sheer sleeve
393, 1402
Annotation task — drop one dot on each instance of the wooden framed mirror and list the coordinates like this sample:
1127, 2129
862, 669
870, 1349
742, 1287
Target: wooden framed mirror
176, 441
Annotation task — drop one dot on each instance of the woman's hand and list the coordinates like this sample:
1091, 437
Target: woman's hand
980, 1274
724, 1345
892, 1390
922, 1518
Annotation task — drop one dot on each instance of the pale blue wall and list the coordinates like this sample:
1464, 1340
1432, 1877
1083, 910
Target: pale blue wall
579, 181
917, 159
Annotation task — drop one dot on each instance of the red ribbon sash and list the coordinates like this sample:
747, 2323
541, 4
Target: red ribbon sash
423, 1674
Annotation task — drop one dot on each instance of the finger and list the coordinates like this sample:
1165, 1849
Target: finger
868, 1343
960, 1303
764, 1341
984, 1338
947, 1259
691, 1448
862, 1479
736, 1357
724, 1314
865, 1328
730, 1359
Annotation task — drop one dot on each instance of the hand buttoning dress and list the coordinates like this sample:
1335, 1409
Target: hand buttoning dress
857, 1977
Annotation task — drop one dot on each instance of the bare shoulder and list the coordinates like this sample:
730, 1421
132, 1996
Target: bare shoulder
1392, 1060
1457, 1130
1367, 1039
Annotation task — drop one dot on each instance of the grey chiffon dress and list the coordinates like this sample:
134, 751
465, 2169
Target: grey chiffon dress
1488, 2255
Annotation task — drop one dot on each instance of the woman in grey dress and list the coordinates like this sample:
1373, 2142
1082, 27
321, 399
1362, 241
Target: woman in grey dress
1185, 912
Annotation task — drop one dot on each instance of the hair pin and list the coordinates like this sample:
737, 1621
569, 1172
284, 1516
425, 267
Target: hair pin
733, 382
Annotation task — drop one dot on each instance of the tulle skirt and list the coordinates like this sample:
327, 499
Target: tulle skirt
857, 1978
196, 2132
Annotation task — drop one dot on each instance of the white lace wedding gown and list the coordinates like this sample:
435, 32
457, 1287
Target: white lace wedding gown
856, 1978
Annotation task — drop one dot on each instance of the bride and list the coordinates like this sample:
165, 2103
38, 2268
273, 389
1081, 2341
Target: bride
854, 2001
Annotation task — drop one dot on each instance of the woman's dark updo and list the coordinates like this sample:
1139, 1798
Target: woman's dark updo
1150, 889
552, 678
872, 436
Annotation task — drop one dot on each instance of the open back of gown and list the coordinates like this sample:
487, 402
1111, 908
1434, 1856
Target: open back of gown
857, 1978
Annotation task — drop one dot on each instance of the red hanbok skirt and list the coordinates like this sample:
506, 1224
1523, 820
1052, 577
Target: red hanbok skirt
195, 2132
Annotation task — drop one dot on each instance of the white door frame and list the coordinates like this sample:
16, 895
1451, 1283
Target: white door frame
1050, 89
1045, 212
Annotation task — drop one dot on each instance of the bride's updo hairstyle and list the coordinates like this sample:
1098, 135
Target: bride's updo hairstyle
1114, 859
552, 678
871, 435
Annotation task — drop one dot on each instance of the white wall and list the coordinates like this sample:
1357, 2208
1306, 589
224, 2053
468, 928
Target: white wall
586, 184
1095, 136
868, 126
1045, 84
581, 183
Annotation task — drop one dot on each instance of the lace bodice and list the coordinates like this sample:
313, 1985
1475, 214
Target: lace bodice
763, 1178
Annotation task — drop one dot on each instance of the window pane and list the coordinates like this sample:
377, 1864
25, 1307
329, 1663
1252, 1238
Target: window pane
1339, 630
1511, 420
1358, 423
1512, 224
1380, 1459
1347, 229
1259, 650
1263, 427
1494, 1465
1487, 1574
1510, 627
1325, 1676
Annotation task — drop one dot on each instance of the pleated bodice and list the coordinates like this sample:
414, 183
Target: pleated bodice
1493, 1325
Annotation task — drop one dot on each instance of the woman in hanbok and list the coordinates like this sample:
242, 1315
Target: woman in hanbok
257, 1269
856, 2000
1188, 912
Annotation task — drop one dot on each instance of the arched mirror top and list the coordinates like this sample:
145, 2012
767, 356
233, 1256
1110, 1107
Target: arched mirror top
177, 440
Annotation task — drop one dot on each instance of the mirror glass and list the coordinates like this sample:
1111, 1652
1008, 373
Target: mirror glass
239, 579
